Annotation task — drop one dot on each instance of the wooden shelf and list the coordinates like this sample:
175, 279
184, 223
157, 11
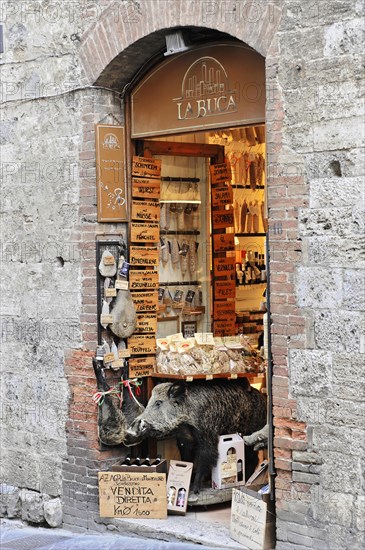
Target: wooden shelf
226, 375
241, 186
172, 232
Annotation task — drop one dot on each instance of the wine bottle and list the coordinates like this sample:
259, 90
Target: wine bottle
137, 461
157, 461
263, 271
147, 461
127, 461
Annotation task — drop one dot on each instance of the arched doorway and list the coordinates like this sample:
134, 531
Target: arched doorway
198, 120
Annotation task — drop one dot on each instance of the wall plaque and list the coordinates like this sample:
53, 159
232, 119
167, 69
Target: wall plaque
222, 195
223, 218
143, 280
142, 345
224, 266
223, 242
145, 301
111, 189
146, 167
145, 188
145, 232
224, 289
220, 173
224, 328
142, 366
143, 256
146, 323
145, 211
224, 310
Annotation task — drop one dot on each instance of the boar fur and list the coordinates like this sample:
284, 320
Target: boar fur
197, 414
113, 421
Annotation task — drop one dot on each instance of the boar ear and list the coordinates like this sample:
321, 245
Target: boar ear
177, 391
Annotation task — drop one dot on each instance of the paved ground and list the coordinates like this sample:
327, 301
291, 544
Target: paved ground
17, 536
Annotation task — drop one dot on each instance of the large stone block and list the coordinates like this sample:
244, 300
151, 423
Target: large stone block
343, 412
329, 135
32, 506
318, 288
332, 507
336, 191
337, 331
335, 251
349, 376
328, 164
53, 512
346, 440
310, 372
9, 501
354, 289
345, 538
342, 472
311, 410
340, 221
344, 37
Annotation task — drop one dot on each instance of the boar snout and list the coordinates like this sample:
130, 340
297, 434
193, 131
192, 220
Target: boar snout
134, 434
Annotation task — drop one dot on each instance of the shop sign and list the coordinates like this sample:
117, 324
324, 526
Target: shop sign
248, 520
145, 232
222, 195
207, 86
224, 266
223, 242
143, 256
224, 289
145, 211
220, 173
223, 218
143, 280
132, 495
146, 167
145, 301
142, 366
110, 173
146, 323
145, 188
142, 345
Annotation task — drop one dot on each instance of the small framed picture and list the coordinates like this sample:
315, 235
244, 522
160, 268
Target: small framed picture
188, 328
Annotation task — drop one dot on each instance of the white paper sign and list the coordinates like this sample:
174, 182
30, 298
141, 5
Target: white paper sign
248, 520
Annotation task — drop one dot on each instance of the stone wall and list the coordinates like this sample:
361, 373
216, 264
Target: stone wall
315, 171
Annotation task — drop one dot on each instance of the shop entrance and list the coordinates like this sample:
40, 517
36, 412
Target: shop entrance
224, 307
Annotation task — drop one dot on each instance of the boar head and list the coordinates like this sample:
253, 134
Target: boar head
165, 412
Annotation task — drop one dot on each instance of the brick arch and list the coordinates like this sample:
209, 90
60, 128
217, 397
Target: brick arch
117, 29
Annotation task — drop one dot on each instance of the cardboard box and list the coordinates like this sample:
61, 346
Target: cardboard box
230, 468
260, 475
253, 519
132, 494
178, 483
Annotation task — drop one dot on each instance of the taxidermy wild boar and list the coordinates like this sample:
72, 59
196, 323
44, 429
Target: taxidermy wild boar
113, 421
197, 414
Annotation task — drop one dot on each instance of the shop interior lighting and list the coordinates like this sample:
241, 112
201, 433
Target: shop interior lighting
175, 43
